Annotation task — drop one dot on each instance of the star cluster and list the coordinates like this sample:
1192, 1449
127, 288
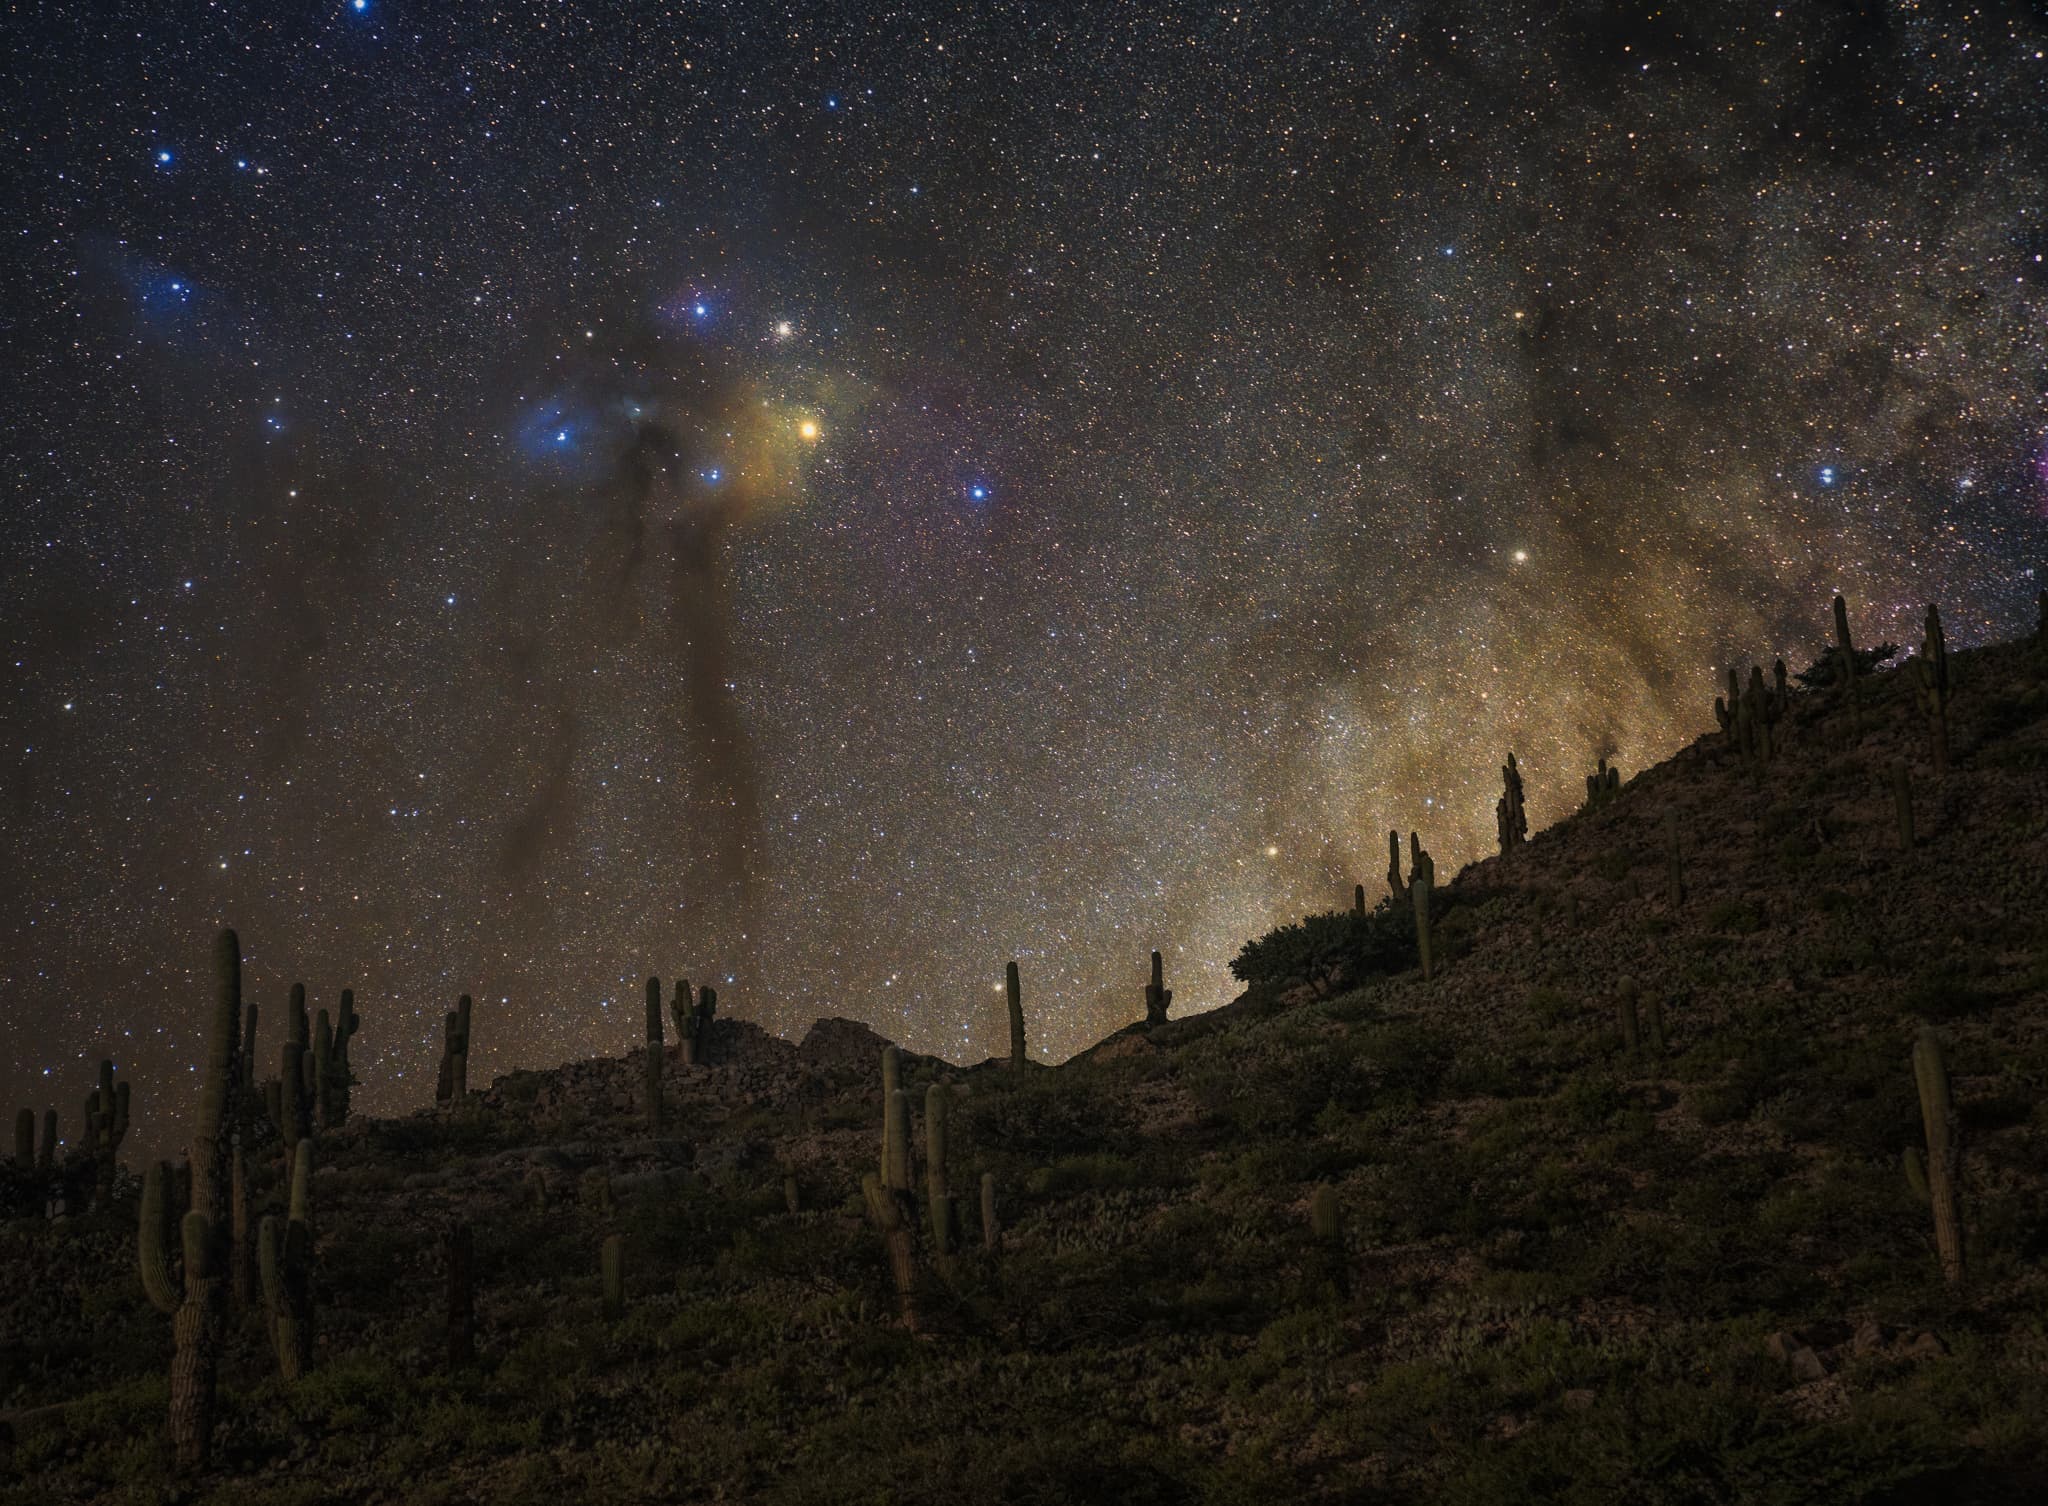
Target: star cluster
506, 499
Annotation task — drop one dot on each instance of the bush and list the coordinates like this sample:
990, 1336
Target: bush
1381, 942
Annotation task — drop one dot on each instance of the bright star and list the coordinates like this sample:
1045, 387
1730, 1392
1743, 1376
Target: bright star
978, 493
784, 329
700, 310
1827, 475
163, 157
808, 428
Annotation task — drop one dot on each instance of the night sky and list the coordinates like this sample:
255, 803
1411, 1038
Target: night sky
510, 498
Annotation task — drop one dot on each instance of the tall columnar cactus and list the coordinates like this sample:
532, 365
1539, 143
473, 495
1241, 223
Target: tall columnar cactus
1944, 1153
293, 1117
1902, 804
458, 1248
452, 1085
1158, 995
195, 1359
991, 1231
334, 1078
1674, 862
1845, 648
200, 1319
323, 1072
1395, 887
896, 1126
1422, 890
892, 1079
46, 1154
937, 1191
106, 1126
25, 1140
1015, 993
693, 1015
153, 1240
241, 1236
655, 1055
1509, 814
886, 1209
248, 1058
1762, 711
285, 1262
614, 1269
1781, 689
1326, 1225
1358, 899
1931, 688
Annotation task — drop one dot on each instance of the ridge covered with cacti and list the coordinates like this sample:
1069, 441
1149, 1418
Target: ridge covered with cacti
1693, 1149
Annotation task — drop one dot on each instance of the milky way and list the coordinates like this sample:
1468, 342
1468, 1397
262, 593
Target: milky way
509, 499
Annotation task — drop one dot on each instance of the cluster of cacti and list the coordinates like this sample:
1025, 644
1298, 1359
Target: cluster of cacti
1602, 785
199, 1318
1509, 814
1750, 715
1014, 992
452, 1085
1158, 995
285, 1263
1929, 673
106, 1125
656, 1055
1944, 1154
693, 1013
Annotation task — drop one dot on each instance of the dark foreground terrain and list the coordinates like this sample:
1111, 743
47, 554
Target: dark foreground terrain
1548, 1266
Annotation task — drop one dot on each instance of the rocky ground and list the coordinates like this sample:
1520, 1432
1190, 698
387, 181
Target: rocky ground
1564, 1270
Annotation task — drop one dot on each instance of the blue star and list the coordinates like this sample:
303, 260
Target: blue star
163, 157
831, 101
1827, 475
359, 6
978, 492
714, 475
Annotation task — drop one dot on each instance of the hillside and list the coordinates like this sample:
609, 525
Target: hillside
1358, 1236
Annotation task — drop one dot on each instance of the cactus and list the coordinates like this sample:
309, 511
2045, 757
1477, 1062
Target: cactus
693, 1020
1326, 1225
1930, 688
291, 1115
1845, 650
896, 1127
25, 1140
285, 1263
1422, 888
655, 1055
1902, 804
1625, 1010
937, 1193
613, 1262
1357, 900
1602, 785
241, 1236
1015, 993
106, 1126
1674, 863
196, 1357
991, 1231
458, 1249
1158, 995
1944, 1157
885, 1207
46, 1156
1656, 1004
153, 1240
323, 1071
248, 1057
346, 1025
1394, 885
452, 1085
1509, 816
892, 1079
596, 1190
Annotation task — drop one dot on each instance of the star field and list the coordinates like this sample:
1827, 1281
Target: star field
510, 498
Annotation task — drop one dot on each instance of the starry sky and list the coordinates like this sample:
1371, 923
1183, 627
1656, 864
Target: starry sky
508, 498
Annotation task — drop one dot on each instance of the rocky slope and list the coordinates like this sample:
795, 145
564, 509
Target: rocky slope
1357, 1236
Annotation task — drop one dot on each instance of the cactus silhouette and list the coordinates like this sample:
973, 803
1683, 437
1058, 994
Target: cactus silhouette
655, 1055
1014, 991
1944, 1156
1158, 995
